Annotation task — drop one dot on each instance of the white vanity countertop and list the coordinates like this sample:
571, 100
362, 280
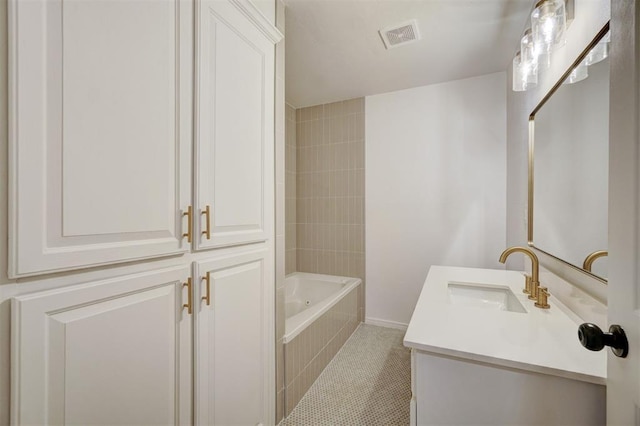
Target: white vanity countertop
542, 340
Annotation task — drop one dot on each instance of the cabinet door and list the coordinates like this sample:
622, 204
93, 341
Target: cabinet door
100, 131
234, 348
234, 123
115, 352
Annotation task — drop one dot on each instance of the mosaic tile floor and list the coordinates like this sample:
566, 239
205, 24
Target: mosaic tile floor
367, 383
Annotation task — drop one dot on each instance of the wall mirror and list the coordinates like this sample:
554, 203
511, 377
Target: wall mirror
569, 164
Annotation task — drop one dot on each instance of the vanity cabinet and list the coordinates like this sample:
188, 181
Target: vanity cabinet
233, 336
100, 130
116, 351
474, 361
449, 390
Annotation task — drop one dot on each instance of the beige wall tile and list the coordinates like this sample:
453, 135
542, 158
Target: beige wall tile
306, 114
351, 128
342, 159
316, 132
361, 154
359, 126
339, 124
360, 182
280, 371
326, 131
291, 262
307, 355
280, 406
351, 106
290, 401
318, 112
299, 138
291, 362
288, 364
280, 309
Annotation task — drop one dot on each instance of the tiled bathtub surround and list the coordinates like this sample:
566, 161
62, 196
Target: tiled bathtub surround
290, 190
310, 352
330, 190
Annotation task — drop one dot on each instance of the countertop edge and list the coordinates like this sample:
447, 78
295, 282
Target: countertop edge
501, 362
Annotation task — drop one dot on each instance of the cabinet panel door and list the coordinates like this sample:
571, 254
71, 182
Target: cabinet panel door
100, 131
235, 124
114, 352
235, 340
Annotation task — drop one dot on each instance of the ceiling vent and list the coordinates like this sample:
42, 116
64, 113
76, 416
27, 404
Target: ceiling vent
404, 33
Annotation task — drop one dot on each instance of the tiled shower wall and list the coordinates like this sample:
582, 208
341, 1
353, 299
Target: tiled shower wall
330, 190
290, 190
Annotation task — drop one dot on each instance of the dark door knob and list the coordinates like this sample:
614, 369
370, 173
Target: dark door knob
594, 339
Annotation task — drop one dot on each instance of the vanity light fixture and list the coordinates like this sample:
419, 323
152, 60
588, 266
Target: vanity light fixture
549, 21
549, 24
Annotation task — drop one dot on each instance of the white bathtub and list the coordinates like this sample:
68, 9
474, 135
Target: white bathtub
307, 296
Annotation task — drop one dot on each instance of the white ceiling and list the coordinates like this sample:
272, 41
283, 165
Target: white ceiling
334, 51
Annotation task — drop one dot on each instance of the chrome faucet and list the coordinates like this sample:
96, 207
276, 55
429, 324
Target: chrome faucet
533, 282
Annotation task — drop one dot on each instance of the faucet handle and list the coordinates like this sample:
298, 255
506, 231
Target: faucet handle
543, 295
535, 286
527, 284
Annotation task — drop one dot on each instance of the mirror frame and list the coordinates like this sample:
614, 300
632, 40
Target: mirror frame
530, 200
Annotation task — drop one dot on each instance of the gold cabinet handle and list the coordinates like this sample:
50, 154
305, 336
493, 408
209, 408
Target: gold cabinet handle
189, 232
207, 214
207, 297
188, 305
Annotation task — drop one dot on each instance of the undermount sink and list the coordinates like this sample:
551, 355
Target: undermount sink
497, 298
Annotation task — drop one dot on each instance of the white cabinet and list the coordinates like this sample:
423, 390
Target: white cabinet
234, 336
100, 131
150, 348
455, 391
234, 123
114, 352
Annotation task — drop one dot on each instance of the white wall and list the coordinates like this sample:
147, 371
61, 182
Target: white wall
590, 17
435, 187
